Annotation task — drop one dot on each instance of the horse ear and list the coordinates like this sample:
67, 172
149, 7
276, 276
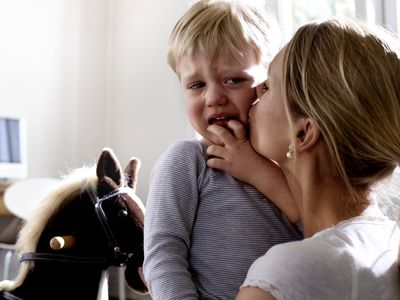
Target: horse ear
108, 166
131, 172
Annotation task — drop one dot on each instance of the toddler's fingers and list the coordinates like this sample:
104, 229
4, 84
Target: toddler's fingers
238, 129
215, 151
222, 133
216, 163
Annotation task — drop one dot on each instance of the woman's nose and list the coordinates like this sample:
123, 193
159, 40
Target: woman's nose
253, 107
260, 89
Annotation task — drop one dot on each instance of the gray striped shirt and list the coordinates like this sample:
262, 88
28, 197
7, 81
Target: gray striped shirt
204, 228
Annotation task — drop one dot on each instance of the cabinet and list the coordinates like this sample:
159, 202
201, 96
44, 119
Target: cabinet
3, 209
9, 226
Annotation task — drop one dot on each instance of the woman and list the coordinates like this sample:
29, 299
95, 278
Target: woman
329, 115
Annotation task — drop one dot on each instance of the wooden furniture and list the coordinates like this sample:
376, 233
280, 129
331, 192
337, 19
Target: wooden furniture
25, 195
3, 209
9, 263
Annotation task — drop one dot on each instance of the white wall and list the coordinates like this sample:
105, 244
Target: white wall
91, 73
146, 110
35, 78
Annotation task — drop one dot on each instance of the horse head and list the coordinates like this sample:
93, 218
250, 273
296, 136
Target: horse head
123, 223
92, 220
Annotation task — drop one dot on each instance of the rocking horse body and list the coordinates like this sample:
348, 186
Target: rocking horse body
86, 225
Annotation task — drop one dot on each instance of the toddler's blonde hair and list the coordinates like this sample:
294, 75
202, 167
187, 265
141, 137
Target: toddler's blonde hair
211, 25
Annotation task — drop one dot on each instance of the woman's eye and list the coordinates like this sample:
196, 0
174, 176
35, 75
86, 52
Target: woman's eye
196, 85
262, 89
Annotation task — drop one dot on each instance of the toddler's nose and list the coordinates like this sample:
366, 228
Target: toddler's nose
215, 96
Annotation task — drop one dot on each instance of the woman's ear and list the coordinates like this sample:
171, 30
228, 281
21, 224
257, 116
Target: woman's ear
307, 133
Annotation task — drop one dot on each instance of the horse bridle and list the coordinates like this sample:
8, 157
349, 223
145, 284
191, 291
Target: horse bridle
118, 257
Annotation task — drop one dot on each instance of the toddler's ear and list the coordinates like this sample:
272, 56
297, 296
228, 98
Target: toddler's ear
307, 133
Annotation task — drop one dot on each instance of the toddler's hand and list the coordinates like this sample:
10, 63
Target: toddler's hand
235, 156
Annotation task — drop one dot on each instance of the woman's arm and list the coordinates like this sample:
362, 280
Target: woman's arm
253, 293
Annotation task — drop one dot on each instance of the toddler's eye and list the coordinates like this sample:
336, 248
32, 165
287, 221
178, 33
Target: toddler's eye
196, 85
234, 80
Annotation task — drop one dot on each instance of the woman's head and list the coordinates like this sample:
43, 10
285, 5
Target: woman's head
346, 77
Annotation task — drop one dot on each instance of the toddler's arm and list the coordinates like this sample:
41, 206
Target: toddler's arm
170, 211
238, 158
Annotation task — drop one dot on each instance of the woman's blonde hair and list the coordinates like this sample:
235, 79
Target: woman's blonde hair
211, 25
346, 76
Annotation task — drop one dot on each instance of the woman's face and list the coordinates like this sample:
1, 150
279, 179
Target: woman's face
269, 126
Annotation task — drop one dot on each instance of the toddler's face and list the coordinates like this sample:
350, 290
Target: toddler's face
216, 91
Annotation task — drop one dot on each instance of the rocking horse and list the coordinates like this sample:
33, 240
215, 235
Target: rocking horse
87, 224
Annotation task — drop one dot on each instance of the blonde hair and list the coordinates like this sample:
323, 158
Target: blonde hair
210, 25
346, 76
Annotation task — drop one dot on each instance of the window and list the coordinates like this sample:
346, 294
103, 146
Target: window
293, 13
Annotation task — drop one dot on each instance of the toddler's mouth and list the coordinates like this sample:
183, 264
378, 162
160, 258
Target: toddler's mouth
220, 120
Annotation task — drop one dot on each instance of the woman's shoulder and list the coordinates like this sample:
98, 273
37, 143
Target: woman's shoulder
364, 247
310, 258
301, 264
298, 254
324, 249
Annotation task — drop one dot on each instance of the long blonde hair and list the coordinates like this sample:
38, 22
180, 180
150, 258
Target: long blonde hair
210, 25
346, 76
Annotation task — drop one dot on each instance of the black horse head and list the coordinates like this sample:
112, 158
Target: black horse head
88, 223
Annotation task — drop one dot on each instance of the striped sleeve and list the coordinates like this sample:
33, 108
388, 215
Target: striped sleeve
170, 212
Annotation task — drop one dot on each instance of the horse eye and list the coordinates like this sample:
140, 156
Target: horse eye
122, 214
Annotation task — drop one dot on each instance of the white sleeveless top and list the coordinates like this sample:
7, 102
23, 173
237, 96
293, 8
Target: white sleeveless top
356, 259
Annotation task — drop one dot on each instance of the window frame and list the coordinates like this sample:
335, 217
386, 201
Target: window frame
383, 12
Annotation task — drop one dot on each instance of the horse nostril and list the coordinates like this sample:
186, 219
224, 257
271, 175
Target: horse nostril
122, 213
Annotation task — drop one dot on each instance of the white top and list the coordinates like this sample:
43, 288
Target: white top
356, 259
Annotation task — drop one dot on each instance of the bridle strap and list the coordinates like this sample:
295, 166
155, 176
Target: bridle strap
9, 296
59, 258
119, 256
101, 216
64, 258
